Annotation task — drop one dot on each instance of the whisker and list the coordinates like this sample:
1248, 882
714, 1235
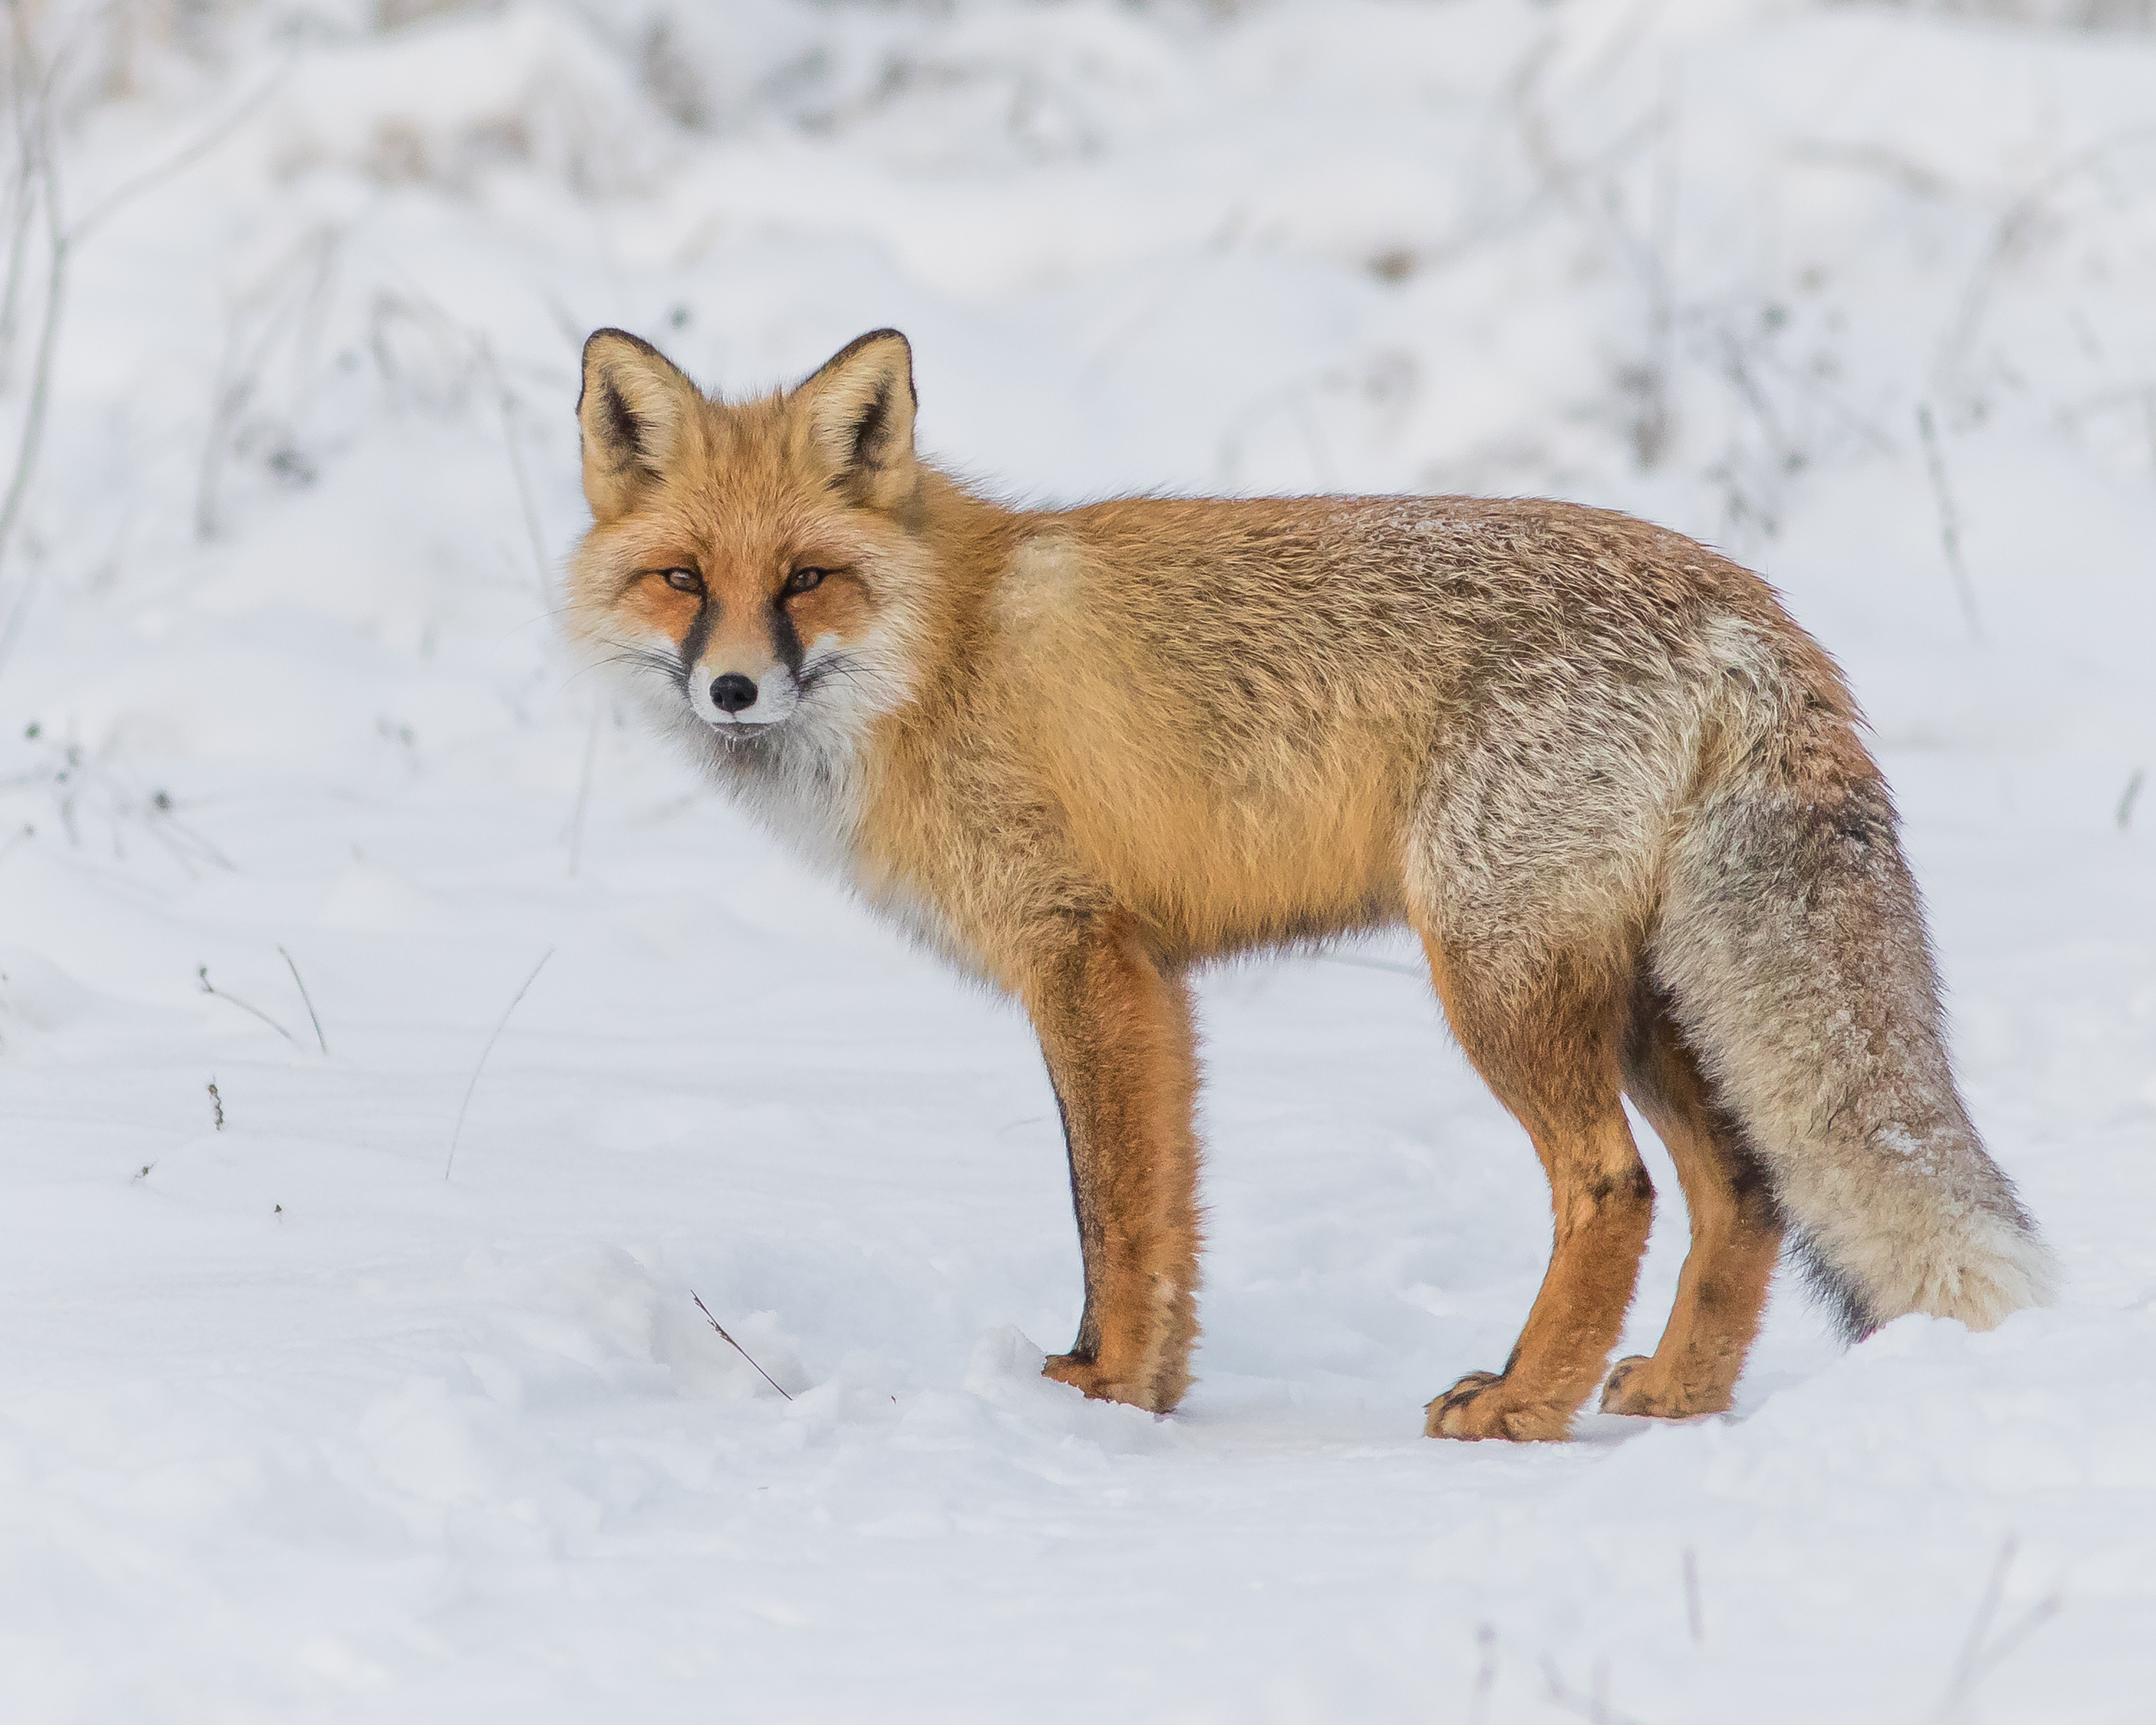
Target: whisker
839, 665
649, 658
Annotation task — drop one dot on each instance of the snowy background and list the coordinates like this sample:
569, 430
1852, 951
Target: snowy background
294, 1428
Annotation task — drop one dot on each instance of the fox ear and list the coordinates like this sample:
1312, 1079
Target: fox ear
859, 412
636, 413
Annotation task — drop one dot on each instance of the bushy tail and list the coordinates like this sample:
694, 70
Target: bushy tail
1792, 946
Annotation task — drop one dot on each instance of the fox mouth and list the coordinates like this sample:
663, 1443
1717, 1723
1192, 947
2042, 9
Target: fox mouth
728, 725
761, 720
765, 714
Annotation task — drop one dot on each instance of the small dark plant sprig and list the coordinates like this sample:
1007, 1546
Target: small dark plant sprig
736, 1346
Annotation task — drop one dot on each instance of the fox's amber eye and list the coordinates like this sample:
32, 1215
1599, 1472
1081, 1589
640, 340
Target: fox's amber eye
802, 580
683, 581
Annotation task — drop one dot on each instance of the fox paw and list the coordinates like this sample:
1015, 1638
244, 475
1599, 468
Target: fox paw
1634, 1388
1486, 1404
1084, 1374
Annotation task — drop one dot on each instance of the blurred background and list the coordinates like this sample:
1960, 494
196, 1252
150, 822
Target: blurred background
347, 1256
1858, 291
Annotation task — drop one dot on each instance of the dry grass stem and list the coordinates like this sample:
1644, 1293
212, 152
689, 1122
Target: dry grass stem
202, 971
457, 1132
1949, 522
306, 999
584, 791
736, 1346
1485, 1673
1982, 1654
1595, 1707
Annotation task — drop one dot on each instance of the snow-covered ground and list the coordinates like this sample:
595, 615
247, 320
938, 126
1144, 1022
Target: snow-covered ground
292, 1426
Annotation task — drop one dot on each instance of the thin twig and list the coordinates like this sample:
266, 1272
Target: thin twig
736, 1346
1959, 1677
583, 792
32, 433
1485, 1673
61, 240
1981, 1654
283, 299
307, 998
458, 1131
508, 403
1373, 964
203, 972
2132, 794
128, 190
22, 203
1949, 524
2016, 224
1595, 1707
2012, 1637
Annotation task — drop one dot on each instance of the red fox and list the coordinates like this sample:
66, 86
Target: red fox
1619, 794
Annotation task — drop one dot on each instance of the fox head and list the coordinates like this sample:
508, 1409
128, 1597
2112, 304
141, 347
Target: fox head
754, 566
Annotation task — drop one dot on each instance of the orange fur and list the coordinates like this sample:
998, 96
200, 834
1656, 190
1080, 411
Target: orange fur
1736, 1233
1079, 751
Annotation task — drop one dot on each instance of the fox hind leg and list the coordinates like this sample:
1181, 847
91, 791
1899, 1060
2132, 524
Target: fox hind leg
1736, 1231
1546, 1040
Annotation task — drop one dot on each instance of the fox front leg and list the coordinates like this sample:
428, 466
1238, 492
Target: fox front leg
1115, 1029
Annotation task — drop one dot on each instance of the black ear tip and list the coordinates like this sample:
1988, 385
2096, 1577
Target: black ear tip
905, 347
872, 339
860, 343
609, 335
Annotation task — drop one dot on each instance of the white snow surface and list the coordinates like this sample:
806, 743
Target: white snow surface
292, 1426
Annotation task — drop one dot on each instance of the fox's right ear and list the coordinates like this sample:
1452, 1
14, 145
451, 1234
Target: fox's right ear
636, 411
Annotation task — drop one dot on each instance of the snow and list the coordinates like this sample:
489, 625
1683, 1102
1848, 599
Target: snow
296, 1427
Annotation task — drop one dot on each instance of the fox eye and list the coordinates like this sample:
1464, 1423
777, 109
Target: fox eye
683, 581
803, 581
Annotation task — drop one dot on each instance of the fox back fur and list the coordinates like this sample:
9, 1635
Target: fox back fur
1620, 795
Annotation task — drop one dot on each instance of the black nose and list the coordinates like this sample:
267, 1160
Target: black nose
733, 691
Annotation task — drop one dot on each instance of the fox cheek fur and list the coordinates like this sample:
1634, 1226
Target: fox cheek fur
1620, 795
731, 557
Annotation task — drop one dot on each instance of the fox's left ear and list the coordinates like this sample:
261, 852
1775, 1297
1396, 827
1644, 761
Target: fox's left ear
859, 412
